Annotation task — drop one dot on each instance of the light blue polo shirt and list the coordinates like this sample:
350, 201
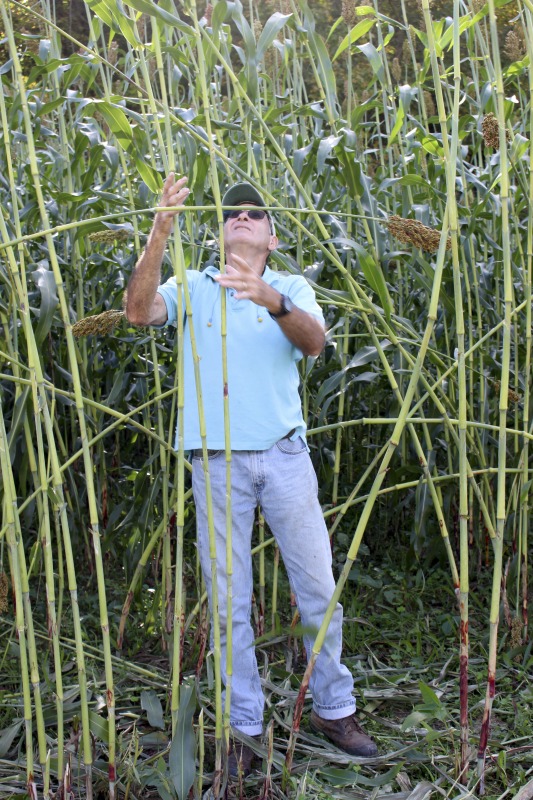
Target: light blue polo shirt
263, 378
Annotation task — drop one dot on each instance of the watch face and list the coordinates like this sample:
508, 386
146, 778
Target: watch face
287, 304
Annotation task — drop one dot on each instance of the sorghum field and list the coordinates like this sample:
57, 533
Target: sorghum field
393, 143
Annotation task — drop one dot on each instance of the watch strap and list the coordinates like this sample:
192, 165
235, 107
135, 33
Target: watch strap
285, 307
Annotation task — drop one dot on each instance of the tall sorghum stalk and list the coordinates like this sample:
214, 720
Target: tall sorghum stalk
450, 161
497, 542
13, 540
525, 510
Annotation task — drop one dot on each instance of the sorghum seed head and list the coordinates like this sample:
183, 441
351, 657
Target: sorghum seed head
142, 26
108, 235
512, 396
112, 53
412, 231
348, 12
430, 104
516, 632
489, 128
396, 70
99, 324
514, 47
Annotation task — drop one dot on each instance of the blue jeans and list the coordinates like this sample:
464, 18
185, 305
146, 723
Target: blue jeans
282, 480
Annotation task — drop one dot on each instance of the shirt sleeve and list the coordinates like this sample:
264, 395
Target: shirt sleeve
303, 296
169, 293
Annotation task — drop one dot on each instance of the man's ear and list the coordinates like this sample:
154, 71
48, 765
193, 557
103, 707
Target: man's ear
273, 243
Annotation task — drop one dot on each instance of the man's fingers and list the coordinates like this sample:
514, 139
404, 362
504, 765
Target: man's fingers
172, 186
174, 192
241, 262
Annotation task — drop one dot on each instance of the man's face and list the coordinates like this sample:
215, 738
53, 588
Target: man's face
240, 228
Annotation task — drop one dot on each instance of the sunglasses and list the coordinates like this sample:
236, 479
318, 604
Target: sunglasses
253, 213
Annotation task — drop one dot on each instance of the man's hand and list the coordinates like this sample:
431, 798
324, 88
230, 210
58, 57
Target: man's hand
248, 284
174, 195
301, 328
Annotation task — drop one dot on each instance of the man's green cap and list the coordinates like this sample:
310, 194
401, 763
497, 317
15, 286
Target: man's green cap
245, 193
242, 193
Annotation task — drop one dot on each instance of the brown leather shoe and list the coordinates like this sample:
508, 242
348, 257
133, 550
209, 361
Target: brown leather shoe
240, 758
347, 734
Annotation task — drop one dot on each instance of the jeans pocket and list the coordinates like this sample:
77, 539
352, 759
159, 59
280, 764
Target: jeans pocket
292, 448
211, 454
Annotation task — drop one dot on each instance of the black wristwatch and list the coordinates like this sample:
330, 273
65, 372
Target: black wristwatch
286, 307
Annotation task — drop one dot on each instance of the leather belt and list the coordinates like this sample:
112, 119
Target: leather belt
199, 452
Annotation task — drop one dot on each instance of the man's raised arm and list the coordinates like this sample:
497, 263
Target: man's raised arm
143, 305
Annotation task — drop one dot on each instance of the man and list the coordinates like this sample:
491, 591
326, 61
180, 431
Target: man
272, 320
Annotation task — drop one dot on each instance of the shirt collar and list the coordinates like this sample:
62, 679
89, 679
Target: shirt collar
268, 275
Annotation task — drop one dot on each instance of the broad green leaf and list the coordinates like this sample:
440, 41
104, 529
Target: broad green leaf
525, 491
423, 506
99, 726
334, 27
355, 34
431, 145
273, 25
325, 70
414, 180
17, 420
413, 720
375, 279
366, 354
400, 116
150, 176
324, 151
7, 737
428, 695
349, 777
117, 121
151, 703
374, 58
117, 21
519, 147
250, 59
350, 174
147, 7
47, 108
181, 760
220, 11
45, 282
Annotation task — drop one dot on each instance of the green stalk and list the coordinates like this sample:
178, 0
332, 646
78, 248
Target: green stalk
528, 273
503, 403
450, 157
14, 545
